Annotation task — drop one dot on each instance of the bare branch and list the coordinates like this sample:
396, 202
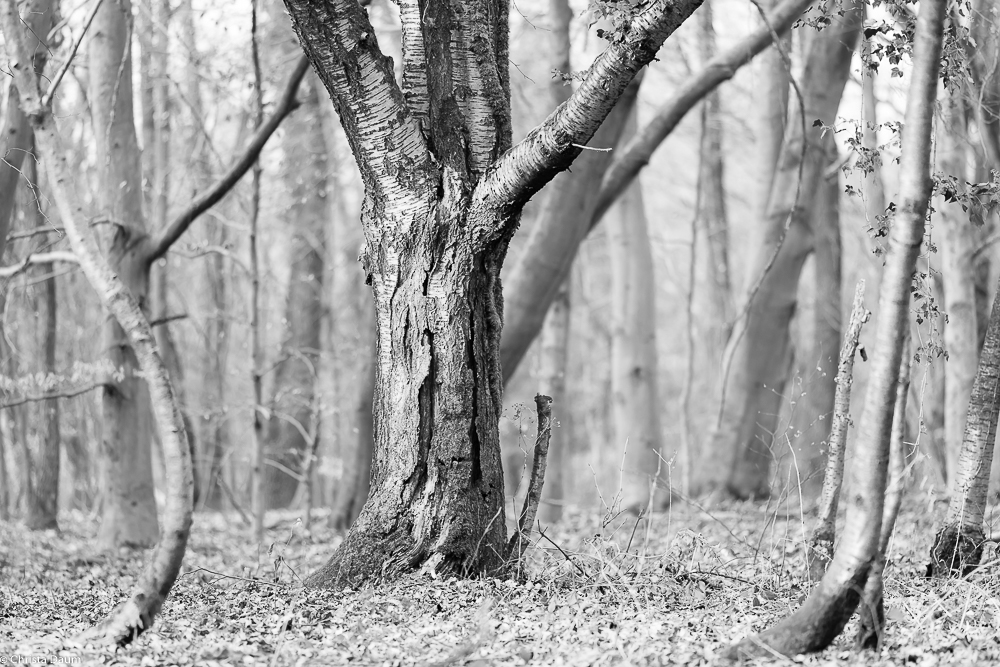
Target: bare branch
47, 99
64, 393
519, 540
630, 160
38, 258
214, 194
552, 147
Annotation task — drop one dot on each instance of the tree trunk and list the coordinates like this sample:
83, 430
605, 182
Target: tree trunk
443, 194
553, 352
293, 406
352, 492
772, 82
635, 403
825, 613
43, 487
958, 272
816, 355
759, 353
958, 546
15, 140
129, 517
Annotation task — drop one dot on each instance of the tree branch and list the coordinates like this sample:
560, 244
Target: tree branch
384, 135
552, 146
637, 152
519, 540
214, 194
66, 393
38, 258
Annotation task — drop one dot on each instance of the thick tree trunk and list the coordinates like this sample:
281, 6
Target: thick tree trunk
437, 494
294, 409
129, 516
825, 613
958, 272
635, 403
759, 353
959, 543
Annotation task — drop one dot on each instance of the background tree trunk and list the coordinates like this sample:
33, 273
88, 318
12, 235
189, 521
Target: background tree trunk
637, 443
129, 516
759, 353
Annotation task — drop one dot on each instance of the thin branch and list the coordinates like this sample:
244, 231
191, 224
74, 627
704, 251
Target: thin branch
166, 319
49, 395
214, 194
630, 160
47, 98
38, 258
519, 540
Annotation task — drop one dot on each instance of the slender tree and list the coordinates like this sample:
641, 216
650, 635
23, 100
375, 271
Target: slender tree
827, 609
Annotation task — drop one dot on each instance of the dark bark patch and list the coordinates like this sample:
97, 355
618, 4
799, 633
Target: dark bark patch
957, 551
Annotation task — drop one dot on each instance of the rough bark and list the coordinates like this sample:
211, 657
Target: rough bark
443, 192
958, 272
821, 540
296, 376
825, 612
759, 353
129, 516
635, 404
871, 626
958, 546
136, 614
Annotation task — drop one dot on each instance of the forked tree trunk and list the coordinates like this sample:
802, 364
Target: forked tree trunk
635, 403
759, 354
129, 516
443, 193
958, 546
825, 613
958, 272
135, 615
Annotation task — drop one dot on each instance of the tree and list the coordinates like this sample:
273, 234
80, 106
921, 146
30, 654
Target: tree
443, 192
827, 609
136, 614
759, 353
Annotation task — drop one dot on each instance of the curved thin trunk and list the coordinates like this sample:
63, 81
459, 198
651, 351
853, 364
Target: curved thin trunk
825, 613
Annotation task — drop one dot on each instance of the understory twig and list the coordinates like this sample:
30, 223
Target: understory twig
519, 540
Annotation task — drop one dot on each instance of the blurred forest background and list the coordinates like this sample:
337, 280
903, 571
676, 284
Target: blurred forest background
634, 347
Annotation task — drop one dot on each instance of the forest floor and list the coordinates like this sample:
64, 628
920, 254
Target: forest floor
673, 590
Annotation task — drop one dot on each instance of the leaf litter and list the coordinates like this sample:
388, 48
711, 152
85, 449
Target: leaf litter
611, 590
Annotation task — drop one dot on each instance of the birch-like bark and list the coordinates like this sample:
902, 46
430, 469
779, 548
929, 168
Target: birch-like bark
759, 353
820, 550
826, 611
871, 628
135, 615
958, 546
957, 242
438, 217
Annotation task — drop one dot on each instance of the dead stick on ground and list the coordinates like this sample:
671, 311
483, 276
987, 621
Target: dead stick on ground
820, 550
519, 540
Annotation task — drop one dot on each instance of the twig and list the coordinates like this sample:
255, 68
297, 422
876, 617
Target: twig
166, 319
47, 396
47, 99
276, 584
38, 258
519, 540
545, 537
